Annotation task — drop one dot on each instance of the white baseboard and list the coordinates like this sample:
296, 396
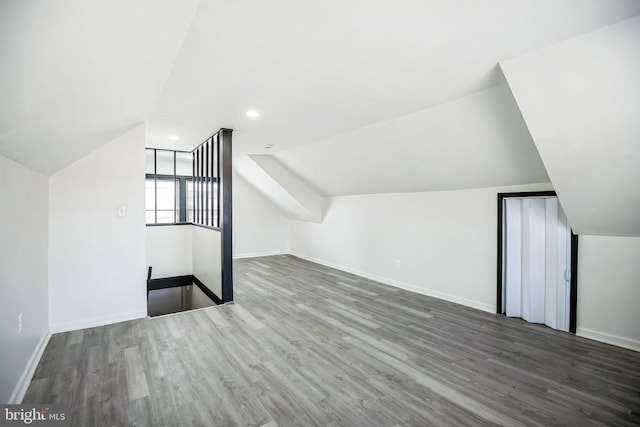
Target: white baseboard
259, 254
29, 369
616, 340
402, 285
97, 321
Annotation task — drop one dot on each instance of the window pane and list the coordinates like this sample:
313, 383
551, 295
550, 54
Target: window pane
184, 164
149, 201
166, 201
181, 200
148, 156
164, 161
190, 200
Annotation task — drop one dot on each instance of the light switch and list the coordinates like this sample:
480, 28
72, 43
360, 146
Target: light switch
122, 211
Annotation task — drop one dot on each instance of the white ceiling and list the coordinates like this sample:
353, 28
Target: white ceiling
316, 70
76, 73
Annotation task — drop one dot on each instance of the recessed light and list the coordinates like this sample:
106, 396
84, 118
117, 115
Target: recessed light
173, 137
253, 114
269, 146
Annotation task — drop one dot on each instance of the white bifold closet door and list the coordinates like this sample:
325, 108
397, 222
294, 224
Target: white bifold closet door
537, 261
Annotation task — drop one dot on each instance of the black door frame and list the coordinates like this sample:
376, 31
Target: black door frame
573, 297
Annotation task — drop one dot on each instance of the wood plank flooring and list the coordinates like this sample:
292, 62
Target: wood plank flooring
308, 345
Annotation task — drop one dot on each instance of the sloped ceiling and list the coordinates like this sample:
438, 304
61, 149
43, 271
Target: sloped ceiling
278, 185
316, 70
581, 101
76, 73
476, 141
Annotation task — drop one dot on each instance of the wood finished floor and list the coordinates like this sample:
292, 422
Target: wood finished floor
308, 345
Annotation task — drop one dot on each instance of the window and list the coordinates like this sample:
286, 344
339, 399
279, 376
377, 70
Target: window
182, 187
169, 175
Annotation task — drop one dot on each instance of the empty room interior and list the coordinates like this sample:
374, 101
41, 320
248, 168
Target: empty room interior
410, 213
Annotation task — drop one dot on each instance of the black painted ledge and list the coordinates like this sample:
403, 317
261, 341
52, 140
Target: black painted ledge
176, 281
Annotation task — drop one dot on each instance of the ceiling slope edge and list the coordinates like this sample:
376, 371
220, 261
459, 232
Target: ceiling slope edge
292, 196
580, 100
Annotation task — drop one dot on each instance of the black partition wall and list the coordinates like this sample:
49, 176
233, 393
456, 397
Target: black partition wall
212, 177
226, 173
206, 176
194, 188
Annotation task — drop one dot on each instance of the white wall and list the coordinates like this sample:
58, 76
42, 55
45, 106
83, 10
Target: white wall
97, 266
23, 276
609, 290
207, 258
169, 250
581, 101
259, 227
445, 241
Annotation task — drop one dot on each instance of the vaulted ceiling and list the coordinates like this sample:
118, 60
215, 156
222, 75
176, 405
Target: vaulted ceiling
479, 140
358, 97
76, 74
316, 70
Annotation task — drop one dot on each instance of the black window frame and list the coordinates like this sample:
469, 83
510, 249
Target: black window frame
206, 191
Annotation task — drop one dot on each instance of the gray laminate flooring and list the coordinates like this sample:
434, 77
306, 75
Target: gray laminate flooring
308, 345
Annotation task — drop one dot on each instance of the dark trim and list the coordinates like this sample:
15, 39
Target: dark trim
499, 309
529, 194
206, 183
206, 226
206, 290
573, 301
202, 186
169, 282
183, 199
155, 186
501, 197
217, 132
164, 177
193, 185
196, 187
226, 211
217, 175
175, 199
177, 281
166, 224
168, 149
